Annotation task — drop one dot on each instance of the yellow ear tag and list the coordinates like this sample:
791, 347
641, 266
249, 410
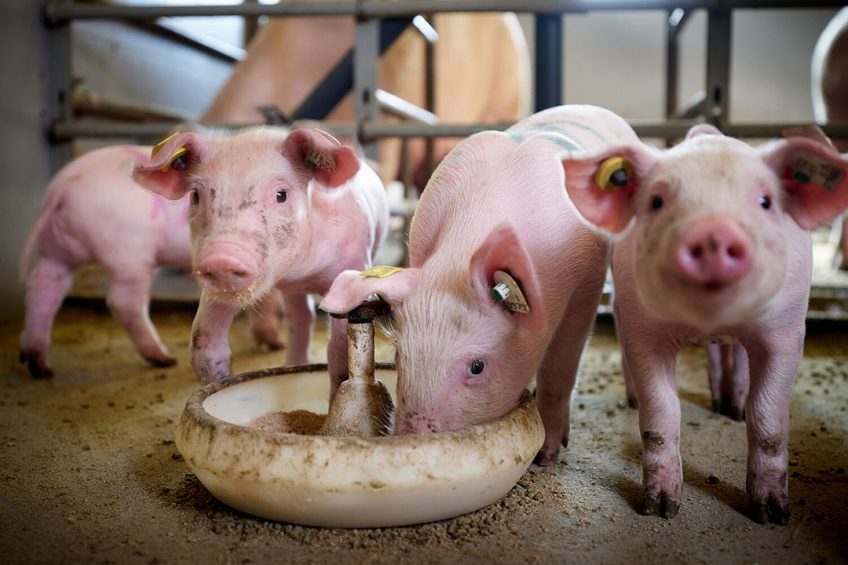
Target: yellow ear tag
380, 271
158, 147
170, 162
614, 173
177, 154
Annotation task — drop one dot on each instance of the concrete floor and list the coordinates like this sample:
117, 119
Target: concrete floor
89, 471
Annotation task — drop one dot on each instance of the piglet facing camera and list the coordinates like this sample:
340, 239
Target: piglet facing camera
268, 209
719, 250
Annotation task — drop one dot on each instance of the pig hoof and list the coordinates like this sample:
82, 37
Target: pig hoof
546, 457
773, 511
728, 409
36, 365
164, 361
660, 505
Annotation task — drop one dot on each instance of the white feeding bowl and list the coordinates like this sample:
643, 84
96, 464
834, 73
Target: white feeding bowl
345, 482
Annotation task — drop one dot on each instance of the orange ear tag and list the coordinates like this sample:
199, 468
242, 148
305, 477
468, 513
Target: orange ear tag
614, 173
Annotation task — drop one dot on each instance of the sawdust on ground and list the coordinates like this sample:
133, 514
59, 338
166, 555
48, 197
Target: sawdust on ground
89, 471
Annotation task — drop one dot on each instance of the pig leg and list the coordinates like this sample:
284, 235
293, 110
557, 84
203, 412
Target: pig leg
337, 360
774, 362
300, 314
210, 347
728, 371
653, 369
843, 244
47, 285
128, 297
558, 372
734, 390
714, 372
629, 387
265, 316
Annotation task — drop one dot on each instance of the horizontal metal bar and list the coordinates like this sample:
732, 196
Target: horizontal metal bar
62, 11
672, 128
397, 106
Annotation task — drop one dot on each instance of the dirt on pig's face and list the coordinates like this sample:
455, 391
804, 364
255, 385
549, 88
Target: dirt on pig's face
249, 207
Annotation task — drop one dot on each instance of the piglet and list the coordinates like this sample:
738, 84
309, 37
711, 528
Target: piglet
268, 209
93, 213
719, 250
504, 280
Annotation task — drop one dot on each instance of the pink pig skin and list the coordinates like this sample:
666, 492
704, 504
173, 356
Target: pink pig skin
269, 209
497, 202
94, 213
750, 290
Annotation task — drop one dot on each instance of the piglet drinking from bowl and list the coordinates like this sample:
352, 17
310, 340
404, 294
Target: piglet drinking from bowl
719, 249
267, 209
504, 281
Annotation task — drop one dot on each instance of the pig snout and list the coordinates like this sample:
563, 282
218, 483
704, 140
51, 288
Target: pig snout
714, 253
226, 268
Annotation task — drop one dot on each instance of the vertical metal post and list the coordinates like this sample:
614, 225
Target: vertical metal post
717, 89
250, 25
430, 99
548, 61
59, 89
365, 61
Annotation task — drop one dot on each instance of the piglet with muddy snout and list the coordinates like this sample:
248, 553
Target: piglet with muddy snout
269, 209
719, 249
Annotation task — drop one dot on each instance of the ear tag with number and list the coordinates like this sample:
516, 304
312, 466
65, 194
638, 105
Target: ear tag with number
507, 292
811, 169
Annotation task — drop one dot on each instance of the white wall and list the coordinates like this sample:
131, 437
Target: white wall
617, 60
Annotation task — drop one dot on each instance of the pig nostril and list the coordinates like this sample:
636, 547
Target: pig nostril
736, 252
696, 251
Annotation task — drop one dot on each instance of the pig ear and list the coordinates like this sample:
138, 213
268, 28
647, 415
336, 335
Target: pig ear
352, 288
502, 251
327, 160
164, 170
601, 185
814, 177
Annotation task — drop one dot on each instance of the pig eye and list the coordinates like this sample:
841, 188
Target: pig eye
195, 198
765, 202
281, 196
656, 203
476, 367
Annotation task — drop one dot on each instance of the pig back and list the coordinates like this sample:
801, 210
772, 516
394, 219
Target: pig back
515, 177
